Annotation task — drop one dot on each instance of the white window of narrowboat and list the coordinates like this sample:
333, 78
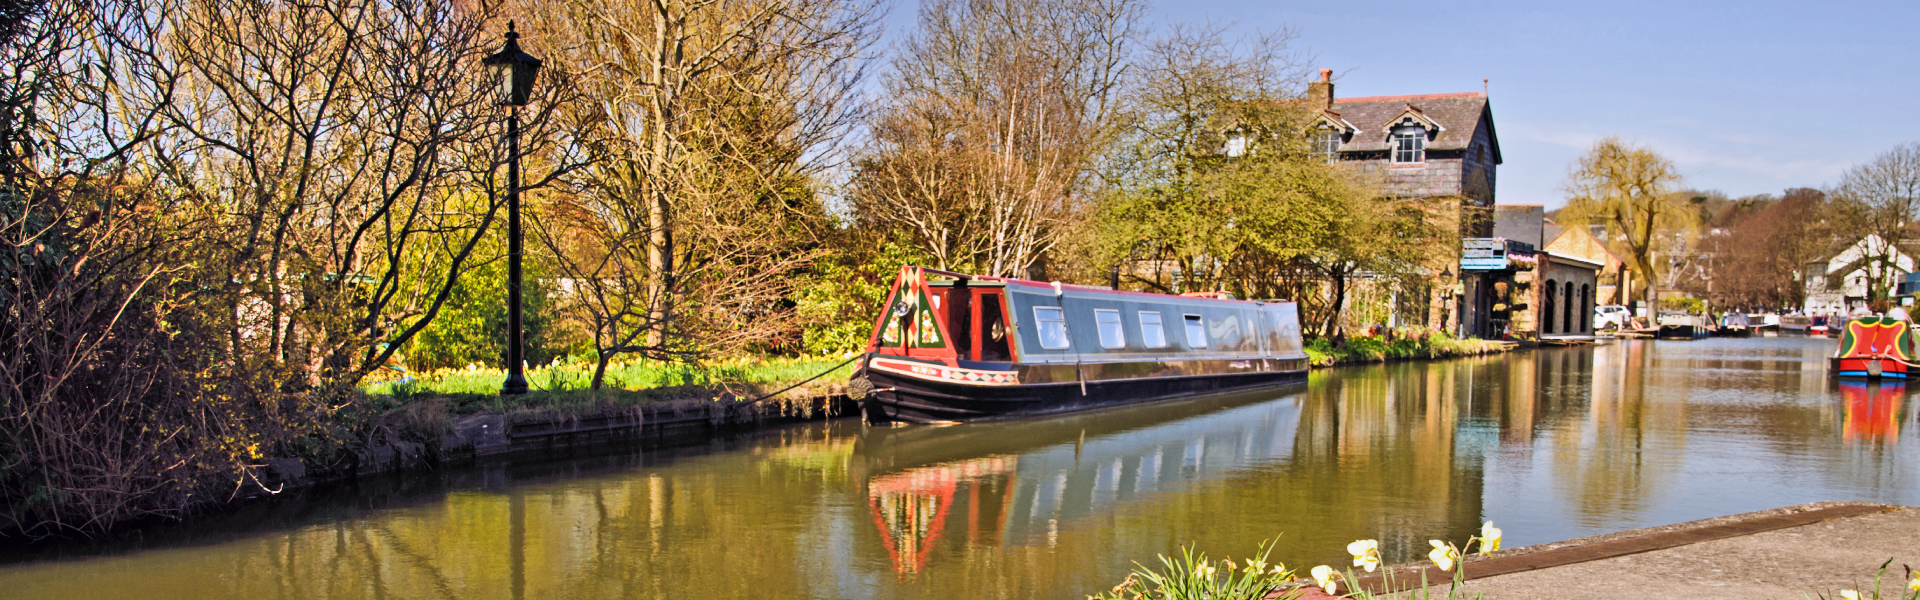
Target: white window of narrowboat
1051, 323
1196, 332
1152, 333
1112, 336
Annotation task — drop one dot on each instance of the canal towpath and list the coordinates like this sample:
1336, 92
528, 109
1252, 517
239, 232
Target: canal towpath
1808, 550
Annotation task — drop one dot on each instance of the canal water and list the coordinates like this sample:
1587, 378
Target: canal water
1549, 444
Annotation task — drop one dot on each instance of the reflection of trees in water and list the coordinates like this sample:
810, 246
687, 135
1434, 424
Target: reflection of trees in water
1602, 466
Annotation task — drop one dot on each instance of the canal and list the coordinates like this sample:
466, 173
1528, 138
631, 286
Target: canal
1550, 444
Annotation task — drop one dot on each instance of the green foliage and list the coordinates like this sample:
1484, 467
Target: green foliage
1191, 576
472, 327
1406, 344
1692, 305
839, 307
629, 376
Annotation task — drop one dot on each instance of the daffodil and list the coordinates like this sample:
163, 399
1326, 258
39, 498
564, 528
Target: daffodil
1489, 538
1850, 594
1204, 570
1443, 555
1366, 554
1323, 576
1914, 585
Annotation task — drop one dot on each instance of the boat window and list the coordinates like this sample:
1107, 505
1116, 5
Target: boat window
1196, 332
1151, 331
1051, 323
1112, 336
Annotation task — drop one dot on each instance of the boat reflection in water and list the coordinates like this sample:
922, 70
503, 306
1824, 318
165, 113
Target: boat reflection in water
1873, 410
911, 507
1037, 474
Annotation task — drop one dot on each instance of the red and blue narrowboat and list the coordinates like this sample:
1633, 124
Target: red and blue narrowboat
1875, 347
951, 347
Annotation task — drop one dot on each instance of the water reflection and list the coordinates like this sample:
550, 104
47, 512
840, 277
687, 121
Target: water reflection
1551, 444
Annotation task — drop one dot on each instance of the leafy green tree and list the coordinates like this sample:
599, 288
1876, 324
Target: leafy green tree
839, 308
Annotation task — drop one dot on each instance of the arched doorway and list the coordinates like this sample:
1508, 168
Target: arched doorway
1546, 311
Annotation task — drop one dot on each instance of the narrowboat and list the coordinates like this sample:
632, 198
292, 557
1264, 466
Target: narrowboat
1677, 325
951, 347
1874, 347
1734, 324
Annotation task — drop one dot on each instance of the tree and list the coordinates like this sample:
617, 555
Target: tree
1882, 199
1630, 190
1765, 246
997, 109
708, 123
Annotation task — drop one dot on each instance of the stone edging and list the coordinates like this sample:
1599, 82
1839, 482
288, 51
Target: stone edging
1611, 545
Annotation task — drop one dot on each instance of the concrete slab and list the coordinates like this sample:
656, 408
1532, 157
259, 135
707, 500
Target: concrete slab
1792, 552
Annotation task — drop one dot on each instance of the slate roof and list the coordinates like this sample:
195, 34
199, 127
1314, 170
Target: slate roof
1458, 115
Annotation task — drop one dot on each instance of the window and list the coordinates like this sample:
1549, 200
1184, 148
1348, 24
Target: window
1409, 144
1051, 323
1236, 144
1196, 332
1326, 145
1111, 334
1152, 333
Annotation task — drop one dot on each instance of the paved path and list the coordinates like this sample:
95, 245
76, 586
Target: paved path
1788, 553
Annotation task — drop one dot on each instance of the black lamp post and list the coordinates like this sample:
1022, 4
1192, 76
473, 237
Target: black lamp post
515, 71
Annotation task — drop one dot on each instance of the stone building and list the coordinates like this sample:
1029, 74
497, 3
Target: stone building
1438, 147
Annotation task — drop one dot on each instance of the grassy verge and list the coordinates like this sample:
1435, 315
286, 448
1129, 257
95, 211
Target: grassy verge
1404, 345
564, 387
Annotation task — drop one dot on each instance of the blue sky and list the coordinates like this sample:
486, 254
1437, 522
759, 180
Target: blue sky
1744, 97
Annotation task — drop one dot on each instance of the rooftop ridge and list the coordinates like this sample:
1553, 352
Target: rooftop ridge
1410, 98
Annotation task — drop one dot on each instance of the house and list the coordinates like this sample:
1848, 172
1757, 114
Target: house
1441, 147
1850, 278
1423, 146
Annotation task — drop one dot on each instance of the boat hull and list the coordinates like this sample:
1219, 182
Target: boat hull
1682, 332
938, 397
1867, 368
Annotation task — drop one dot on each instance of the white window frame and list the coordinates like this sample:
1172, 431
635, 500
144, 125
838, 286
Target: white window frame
1100, 323
1158, 331
1326, 145
1040, 324
1189, 320
1418, 138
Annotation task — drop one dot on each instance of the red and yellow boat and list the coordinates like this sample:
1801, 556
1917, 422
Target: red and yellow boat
1875, 347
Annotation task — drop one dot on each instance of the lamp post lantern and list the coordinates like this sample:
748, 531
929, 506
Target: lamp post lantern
515, 70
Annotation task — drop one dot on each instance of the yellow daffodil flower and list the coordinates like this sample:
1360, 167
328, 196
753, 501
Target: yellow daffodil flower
1204, 570
1230, 566
1323, 576
1489, 538
1443, 555
1850, 594
1366, 554
1914, 585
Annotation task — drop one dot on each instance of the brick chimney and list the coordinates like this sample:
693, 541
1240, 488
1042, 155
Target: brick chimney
1320, 93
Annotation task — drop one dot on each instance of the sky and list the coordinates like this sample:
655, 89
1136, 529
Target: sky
1744, 97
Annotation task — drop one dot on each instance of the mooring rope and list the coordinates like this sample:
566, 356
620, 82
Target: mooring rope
1889, 357
807, 380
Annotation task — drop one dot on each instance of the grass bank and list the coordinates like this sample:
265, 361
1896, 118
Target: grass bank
564, 387
1402, 345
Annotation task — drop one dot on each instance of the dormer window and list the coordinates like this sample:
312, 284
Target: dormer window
1236, 144
1409, 144
1326, 145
